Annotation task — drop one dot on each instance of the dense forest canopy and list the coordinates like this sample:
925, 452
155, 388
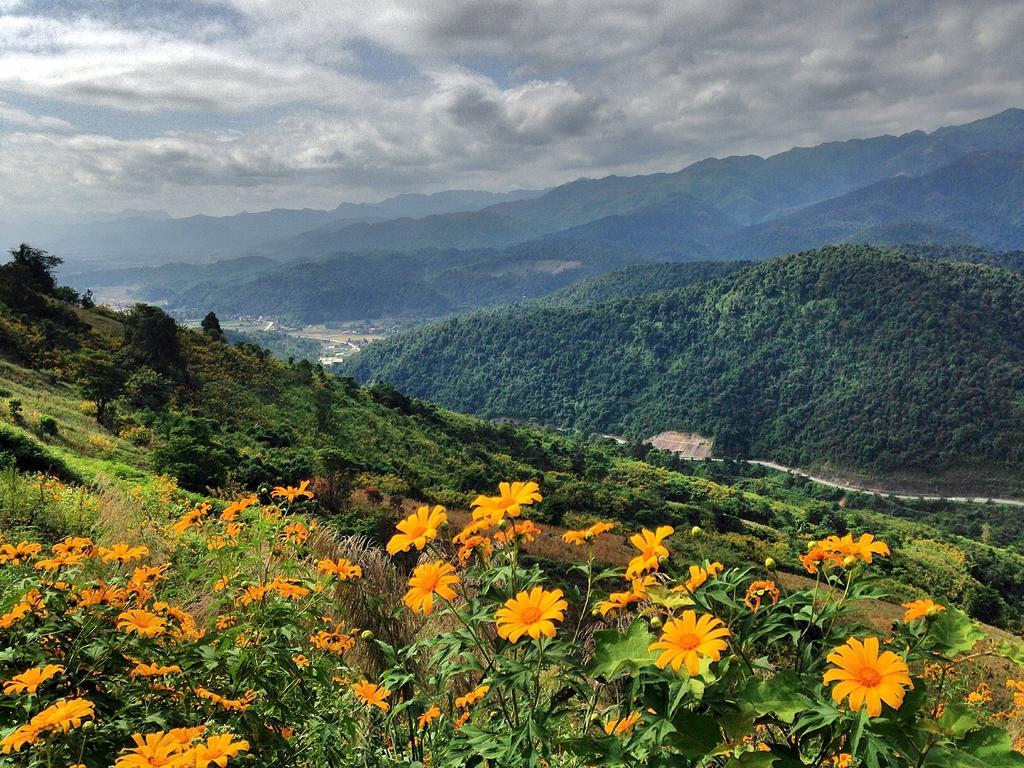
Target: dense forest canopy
849, 355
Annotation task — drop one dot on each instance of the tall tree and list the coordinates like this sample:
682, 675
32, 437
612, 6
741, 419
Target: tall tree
38, 266
211, 327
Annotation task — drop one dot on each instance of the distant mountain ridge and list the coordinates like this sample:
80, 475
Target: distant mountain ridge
151, 238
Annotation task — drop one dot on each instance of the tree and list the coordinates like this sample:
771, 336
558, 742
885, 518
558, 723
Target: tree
38, 265
100, 378
151, 339
211, 327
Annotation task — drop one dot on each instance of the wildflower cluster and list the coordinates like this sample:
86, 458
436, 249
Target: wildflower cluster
223, 639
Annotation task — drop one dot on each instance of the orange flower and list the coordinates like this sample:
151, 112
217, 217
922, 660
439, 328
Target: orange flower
122, 553
232, 705
295, 532
235, 508
919, 609
866, 677
371, 694
153, 750
341, 568
625, 725
758, 591
586, 535
651, 548
142, 623
30, 680
428, 580
619, 600
291, 493
531, 613
689, 639
217, 750
511, 498
153, 670
15, 554
62, 716
417, 529
429, 716
472, 697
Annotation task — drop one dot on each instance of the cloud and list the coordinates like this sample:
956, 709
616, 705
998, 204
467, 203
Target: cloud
231, 104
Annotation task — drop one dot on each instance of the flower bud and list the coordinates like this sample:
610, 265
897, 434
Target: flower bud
595, 612
696, 531
849, 560
656, 622
769, 563
366, 634
811, 545
88, 725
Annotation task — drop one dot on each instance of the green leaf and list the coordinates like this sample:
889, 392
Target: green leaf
1012, 651
993, 746
957, 720
696, 735
616, 653
953, 632
780, 695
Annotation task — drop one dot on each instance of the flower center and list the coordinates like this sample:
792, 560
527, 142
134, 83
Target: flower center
530, 614
869, 677
688, 642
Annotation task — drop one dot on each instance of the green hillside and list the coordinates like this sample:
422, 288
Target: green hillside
110, 400
850, 357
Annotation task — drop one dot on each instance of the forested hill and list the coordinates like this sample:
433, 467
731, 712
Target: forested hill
848, 356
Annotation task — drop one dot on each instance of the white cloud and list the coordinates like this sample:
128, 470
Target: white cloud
249, 103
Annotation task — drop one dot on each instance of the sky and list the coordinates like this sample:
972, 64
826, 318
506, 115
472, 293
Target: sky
230, 105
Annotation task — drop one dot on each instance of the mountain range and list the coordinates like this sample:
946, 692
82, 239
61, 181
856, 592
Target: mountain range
850, 357
956, 185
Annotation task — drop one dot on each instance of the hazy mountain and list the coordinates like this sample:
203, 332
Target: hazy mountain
148, 237
716, 194
976, 199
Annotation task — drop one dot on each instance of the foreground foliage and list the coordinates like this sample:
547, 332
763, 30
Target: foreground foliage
245, 629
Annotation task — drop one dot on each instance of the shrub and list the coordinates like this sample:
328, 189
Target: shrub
48, 426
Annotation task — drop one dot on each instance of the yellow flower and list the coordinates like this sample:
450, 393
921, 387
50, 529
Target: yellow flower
586, 535
866, 677
472, 697
417, 529
142, 623
291, 493
531, 613
122, 553
625, 725
428, 580
511, 498
429, 716
218, 750
30, 680
688, 639
619, 600
301, 660
372, 694
919, 609
651, 548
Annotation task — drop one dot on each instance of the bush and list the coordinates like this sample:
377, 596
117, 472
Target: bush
48, 426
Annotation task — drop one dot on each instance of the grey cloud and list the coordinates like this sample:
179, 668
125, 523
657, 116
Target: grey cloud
591, 87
